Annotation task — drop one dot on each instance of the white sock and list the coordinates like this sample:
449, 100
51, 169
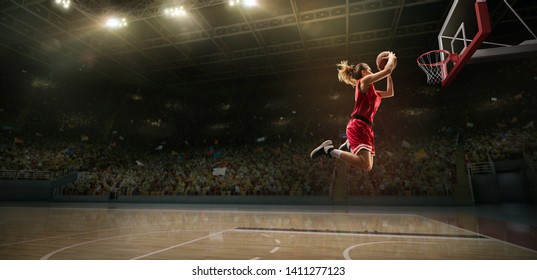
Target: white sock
335, 153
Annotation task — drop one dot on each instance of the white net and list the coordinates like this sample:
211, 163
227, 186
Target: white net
433, 63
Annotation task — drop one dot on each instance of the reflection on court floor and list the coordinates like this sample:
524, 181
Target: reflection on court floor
31, 233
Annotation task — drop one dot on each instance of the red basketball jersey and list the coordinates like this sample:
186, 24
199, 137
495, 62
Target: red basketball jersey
366, 104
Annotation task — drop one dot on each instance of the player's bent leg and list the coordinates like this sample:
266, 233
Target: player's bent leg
362, 160
367, 159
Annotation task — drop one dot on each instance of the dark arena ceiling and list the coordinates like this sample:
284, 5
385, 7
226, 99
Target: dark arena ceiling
279, 45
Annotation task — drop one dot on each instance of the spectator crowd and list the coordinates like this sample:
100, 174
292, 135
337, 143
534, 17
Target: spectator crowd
418, 135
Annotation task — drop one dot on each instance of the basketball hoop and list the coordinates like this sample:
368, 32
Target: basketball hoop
433, 64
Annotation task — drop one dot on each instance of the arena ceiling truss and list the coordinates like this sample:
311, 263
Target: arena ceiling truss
276, 45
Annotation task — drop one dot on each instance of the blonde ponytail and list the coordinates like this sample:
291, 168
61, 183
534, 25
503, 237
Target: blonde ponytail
345, 73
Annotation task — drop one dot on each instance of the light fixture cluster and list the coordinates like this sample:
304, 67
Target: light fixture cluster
64, 4
175, 11
116, 22
247, 3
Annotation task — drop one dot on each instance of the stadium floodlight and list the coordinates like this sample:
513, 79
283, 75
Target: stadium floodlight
65, 4
116, 22
175, 11
250, 3
246, 3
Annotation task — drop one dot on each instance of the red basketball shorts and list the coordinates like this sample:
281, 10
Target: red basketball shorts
360, 136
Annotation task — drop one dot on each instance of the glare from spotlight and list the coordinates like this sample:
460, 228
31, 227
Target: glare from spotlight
175, 11
246, 3
250, 3
65, 4
115, 23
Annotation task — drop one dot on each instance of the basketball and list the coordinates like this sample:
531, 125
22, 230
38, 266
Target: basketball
382, 59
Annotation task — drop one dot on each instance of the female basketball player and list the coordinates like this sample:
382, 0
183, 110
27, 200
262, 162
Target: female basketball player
359, 148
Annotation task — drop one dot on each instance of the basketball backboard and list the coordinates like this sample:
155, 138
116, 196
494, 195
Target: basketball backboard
478, 31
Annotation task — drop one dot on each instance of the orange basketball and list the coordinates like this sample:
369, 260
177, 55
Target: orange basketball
382, 59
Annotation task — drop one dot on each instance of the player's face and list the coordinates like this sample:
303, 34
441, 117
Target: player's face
366, 70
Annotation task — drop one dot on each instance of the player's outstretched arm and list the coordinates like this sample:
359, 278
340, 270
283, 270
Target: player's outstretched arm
389, 92
387, 71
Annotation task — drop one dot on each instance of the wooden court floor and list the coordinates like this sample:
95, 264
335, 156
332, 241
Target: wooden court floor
148, 232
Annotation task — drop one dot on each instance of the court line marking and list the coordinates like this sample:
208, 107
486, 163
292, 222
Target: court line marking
490, 238
450, 225
274, 250
46, 257
53, 237
181, 244
348, 249
84, 232
365, 233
